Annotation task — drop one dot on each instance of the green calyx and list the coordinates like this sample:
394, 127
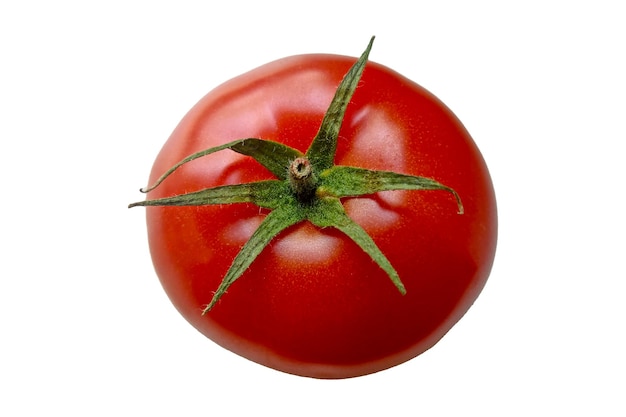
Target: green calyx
307, 187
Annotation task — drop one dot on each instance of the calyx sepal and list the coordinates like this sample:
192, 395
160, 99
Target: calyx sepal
307, 187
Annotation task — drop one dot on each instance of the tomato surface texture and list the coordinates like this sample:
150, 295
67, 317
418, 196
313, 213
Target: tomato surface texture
313, 303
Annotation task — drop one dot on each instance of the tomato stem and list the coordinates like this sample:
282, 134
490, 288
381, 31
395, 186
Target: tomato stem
302, 179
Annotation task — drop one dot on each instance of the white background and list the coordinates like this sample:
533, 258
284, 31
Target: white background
90, 91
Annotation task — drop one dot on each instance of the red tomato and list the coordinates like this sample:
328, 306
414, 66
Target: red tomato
313, 303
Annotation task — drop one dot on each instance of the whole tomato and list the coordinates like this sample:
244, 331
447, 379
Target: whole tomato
312, 301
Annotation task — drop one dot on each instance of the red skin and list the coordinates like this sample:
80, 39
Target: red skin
313, 303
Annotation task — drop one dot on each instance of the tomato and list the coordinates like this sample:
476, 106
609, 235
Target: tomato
313, 303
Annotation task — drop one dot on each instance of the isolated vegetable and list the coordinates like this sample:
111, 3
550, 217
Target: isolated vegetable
350, 257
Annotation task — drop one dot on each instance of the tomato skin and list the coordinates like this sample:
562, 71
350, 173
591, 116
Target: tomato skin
313, 303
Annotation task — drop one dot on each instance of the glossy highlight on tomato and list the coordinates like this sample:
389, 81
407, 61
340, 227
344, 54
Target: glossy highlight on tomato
312, 302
